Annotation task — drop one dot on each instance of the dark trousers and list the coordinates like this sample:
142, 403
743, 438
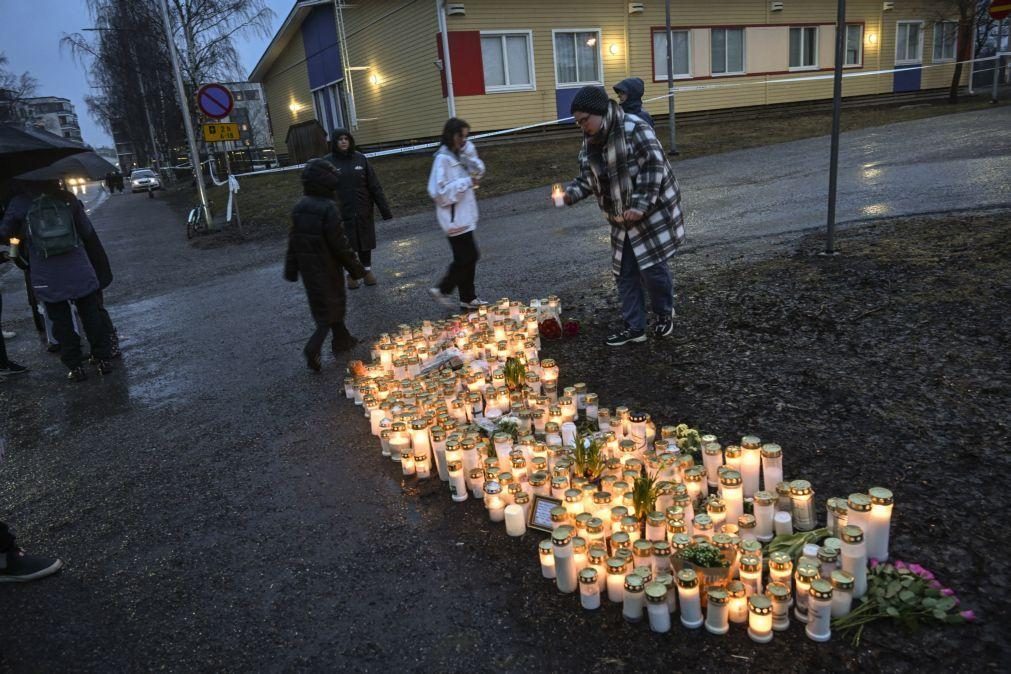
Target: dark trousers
634, 284
365, 257
3, 345
107, 322
94, 328
460, 275
6, 538
340, 337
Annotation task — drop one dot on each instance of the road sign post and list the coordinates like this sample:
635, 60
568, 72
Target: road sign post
215, 100
220, 132
833, 169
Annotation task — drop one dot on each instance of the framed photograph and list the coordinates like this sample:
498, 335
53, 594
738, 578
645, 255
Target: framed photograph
540, 512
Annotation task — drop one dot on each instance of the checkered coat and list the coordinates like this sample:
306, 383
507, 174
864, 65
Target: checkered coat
654, 191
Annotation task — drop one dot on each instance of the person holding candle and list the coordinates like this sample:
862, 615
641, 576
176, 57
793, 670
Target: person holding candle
624, 165
319, 252
358, 195
455, 173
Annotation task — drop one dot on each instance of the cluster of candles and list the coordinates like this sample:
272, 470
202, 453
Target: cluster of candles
435, 396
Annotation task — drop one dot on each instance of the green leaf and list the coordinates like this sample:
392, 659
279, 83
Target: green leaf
908, 597
908, 581
892, 611
946, 603
931, 592
954, 619
939, 614
904, 572
929, 602
893, 588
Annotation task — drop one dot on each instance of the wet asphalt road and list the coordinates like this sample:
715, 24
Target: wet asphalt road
220, 508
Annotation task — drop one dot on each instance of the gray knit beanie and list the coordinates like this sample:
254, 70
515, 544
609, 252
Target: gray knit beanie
590, 99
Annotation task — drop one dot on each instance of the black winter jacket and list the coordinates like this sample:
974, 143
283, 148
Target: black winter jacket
319, 252
358, 194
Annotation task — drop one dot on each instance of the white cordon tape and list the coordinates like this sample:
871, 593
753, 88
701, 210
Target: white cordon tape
684, 88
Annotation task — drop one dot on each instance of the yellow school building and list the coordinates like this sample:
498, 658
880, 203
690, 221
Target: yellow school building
380, 67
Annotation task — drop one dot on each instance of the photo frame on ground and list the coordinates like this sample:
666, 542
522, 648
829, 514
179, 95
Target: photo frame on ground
540, 512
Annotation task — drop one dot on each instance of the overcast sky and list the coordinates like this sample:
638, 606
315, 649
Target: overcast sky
30, 32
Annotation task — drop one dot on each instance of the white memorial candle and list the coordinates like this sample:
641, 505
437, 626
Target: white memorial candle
779, 593
751, 463
783, 523
616, 579
657, 608
589, 589
842, 593
457, 485
760, 618
688, 593
854, 558
717, 611
712, 459
733, 494
819, 611
772, 466
879, 523
765, 511
547, 556
515, 523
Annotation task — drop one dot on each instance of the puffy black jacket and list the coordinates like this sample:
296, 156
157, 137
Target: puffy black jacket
359, 193
633, 88
318, 251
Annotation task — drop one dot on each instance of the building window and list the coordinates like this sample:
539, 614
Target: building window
945, 40
508, 61
908, 42
252, 95
804, 47
727, 51
682, 54
577, 57
854, 45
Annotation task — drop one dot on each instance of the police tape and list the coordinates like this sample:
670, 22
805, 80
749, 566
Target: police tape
681, 88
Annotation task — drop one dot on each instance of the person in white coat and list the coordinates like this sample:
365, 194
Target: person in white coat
455, 174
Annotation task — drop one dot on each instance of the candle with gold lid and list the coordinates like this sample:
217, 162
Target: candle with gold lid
642, 553
493, 501
580, 521
657, 607
573, 502
717, 611
779, 594
661, 557
547, 557
630, 526
751, 574
772, 466
751, 463
712, 459
836, 513
802, 496
859, 510
596, 557
688, 593
620, 540
819, 611
539, 483
802, 578
760, 618
559, 517
854, 558
565, 565
717, 511
702, 525
656, 526
764, 508
878, 524
695, 478
842, 593
746, 526
457, 485
559, 485
732, 457
589, 589
616, 567
595, 530
733, 494
784, 503
738, 604
632, 598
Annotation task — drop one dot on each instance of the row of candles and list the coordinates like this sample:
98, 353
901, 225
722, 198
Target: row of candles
433, 394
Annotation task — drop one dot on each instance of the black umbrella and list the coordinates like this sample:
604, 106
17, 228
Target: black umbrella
80, 165
23, 150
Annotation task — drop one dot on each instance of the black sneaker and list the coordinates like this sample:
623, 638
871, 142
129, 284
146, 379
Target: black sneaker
626, 336
663, 326
104, 366
77, 374
344, 344
17, 567
313, 361
11, 369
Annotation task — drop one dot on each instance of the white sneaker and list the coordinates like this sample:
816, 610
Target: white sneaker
9, 334
473, 304
444, 300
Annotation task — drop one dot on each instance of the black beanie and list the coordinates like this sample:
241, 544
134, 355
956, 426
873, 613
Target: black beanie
590, 99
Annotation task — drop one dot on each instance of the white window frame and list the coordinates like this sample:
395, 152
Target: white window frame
689, 75
817, 38
744, 52
600, 59
860, 46
328, 91
529, 34
939, 28
919, 56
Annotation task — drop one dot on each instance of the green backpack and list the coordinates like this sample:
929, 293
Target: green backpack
51, 225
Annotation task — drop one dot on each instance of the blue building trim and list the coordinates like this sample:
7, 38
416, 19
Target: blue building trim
322, 51
907, 78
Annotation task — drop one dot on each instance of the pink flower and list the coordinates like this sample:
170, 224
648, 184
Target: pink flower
917, 569
899, 564
926, 575
969, 616
874, 563
935, 585
947, 592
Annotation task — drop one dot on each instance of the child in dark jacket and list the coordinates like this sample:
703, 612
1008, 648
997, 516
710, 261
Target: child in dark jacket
318, 250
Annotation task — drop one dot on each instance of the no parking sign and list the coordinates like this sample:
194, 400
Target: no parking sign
215, 100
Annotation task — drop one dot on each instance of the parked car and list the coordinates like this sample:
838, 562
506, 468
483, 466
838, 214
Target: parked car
144, 180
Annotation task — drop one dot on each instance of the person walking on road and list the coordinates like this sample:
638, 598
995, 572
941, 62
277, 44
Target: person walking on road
358, 194
630, 92
58, 232
455, 173
318, 251
624, 165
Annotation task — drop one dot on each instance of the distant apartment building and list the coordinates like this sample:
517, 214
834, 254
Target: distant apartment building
54, 114
256, 143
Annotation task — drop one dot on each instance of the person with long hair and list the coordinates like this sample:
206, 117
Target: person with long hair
455, 174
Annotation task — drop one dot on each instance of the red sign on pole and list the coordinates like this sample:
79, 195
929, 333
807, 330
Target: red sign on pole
1000, 9
215, 100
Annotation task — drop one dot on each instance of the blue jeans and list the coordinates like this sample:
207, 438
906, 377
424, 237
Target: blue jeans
656, 280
